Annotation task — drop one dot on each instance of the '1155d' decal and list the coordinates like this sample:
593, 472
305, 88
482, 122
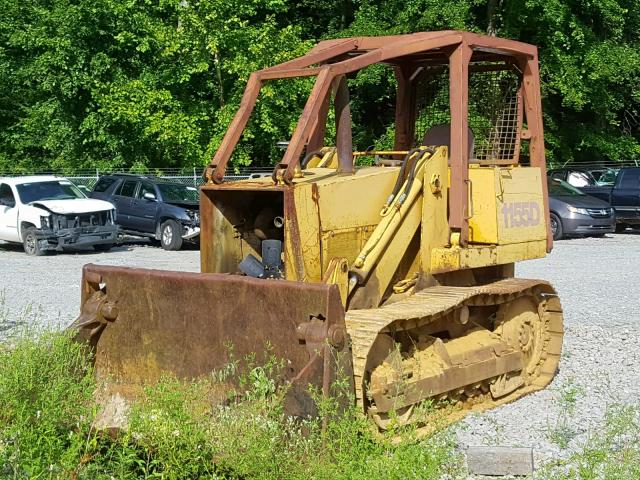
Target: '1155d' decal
521, 214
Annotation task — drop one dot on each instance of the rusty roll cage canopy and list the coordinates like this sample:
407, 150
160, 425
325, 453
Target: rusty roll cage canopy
331, 60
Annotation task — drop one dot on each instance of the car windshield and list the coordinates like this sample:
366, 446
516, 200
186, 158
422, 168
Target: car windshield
560, 187
608, 177
175, 192
50, 190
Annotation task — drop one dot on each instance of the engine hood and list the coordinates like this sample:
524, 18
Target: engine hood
187, 205
75, 205
582, 201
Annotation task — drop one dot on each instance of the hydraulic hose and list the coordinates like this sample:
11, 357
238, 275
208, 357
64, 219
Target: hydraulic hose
308, 157
399, 180
412, 172
410, 161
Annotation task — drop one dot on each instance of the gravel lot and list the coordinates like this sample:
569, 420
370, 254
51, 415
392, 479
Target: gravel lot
52, 283
597, 279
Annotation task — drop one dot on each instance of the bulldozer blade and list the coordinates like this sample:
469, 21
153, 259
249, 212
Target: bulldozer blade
142, 323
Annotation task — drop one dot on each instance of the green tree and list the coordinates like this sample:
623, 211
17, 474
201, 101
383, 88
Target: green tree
155, 83
590, 68
589, 55
120, 84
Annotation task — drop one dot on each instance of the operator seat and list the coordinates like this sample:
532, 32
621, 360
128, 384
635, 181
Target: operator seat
441, 135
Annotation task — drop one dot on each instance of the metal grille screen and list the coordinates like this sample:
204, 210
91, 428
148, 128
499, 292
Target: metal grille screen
494, 109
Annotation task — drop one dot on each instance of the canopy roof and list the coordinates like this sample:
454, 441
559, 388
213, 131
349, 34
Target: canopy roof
424, 48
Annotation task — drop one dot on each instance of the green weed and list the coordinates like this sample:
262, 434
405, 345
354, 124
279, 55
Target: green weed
610, 454
562, 432
45, 418
180, 430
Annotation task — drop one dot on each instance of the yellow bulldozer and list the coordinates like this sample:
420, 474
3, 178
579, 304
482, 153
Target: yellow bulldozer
398, 274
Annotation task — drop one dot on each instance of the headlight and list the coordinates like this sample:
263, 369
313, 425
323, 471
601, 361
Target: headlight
45, 222
194, 215
581, 211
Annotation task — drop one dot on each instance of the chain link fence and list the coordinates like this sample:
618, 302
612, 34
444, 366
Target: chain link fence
191, 177
598, 165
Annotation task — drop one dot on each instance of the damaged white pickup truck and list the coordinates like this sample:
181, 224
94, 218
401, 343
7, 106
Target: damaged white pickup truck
48, 213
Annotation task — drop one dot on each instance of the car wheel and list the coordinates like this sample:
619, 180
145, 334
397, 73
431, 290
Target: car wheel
171, 235
556, 227
621, 227
30, 243
103, 247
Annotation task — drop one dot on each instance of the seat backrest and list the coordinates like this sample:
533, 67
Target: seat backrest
441, 135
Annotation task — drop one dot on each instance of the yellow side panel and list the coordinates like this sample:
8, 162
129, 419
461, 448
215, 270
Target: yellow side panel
483, 224
435, 226
521, 215
349, 209
506, 205
458, 258
344, 243
305, 226
354, 200
334, 217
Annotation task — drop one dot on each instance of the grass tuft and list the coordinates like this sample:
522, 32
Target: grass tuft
177, 432
46, 390
612, 453
563, 431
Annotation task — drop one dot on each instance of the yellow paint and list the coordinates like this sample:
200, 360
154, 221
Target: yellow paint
475, 256
306, 223
346, 242
336, 215
333, 216
507, 205
392, 219
354, 200
338, 274
521, 190
327, 158
435, 227
395, 248
483, 224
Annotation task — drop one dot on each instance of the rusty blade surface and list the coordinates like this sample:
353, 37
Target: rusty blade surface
146, 322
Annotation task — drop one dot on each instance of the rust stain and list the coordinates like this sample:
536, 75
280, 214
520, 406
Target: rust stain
291, 217
315, 196
160, 325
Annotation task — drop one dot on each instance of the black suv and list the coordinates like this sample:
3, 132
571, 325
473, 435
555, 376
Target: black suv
152, 207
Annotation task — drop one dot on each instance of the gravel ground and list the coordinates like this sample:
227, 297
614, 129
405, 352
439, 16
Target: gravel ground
595, 277
597, 281
51, 284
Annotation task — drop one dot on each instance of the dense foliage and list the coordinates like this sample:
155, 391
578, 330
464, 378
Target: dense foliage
121, 84
176, 432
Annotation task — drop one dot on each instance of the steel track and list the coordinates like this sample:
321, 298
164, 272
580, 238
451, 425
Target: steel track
430, 304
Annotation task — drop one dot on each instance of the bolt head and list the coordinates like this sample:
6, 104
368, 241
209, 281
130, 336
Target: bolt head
109, 311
